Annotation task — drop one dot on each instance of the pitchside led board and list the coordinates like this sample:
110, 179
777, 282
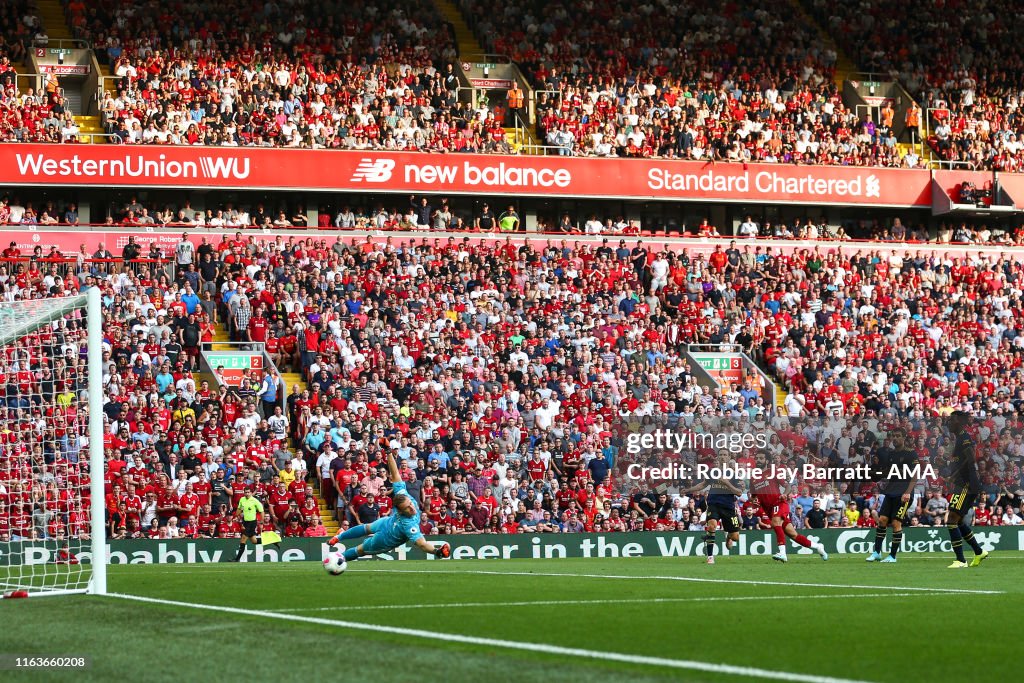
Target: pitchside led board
229, 365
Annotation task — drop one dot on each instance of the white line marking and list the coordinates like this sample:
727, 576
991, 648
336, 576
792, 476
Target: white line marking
709, 667
303, 565
623, 601
694, 579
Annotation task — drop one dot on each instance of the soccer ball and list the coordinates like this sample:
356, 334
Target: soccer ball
335, 564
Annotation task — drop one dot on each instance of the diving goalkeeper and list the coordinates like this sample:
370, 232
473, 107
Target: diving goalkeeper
388, 533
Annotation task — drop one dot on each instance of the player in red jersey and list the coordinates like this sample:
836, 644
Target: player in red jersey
771, 496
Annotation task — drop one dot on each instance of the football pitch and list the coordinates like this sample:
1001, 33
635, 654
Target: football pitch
643, 619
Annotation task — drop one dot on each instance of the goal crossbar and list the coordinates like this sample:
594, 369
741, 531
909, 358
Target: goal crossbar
18, 318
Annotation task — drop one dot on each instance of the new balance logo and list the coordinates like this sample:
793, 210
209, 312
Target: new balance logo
373, 171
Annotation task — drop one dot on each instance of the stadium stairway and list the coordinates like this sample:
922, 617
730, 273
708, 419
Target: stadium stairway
220, 335
105, 74
844, 65
465, 40
327, 515
221, 342
221, 339
95, 122
290, 379
19, 66
523, 140
520, 140
923, 151
89, 124
780, 401
55, 21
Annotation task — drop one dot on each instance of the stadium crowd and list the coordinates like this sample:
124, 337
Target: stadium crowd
749, 85
20, 28
29, 114
372, 74
500, 374
378, 75
949, 57
439, 214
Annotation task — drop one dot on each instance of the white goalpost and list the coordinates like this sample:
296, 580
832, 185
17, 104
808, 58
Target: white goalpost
52, 498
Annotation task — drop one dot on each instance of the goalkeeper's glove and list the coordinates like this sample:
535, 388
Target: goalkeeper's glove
333, 541
443, 551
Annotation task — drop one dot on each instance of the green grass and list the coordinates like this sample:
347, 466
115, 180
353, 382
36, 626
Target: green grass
814, 630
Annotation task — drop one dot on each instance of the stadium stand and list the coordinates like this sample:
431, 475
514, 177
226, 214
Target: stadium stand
376, 75
496, 369
498, 384
28, 114
950, 57
750, 83
370, 75
458, 217
19, 27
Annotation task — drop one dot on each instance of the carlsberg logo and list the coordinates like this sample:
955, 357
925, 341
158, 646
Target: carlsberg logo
134, 166
861, 541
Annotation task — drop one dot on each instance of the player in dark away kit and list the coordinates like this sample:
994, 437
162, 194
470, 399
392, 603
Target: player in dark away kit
966, 485
897, 486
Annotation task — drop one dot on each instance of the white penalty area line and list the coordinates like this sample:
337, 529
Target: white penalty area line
609, 601
708, 667
697, 579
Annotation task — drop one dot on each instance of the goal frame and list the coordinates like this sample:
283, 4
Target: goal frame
93, 305
97, 464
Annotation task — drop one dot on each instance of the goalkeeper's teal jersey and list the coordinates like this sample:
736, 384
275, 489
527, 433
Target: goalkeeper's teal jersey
398, 529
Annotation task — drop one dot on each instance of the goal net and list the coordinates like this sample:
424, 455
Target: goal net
52, 539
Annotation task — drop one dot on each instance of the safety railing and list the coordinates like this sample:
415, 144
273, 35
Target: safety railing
540, 148
282, 388
35, 81
104, 83
365, 226
870, 76
936, 114
930, 115
364, 231
523, 137
485, 58
714, 348
534, 104
554, 96
465, 94
864, 111
70, 266
949, 164
97, 138
63, 44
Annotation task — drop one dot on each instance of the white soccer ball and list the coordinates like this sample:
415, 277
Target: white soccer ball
335, 564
